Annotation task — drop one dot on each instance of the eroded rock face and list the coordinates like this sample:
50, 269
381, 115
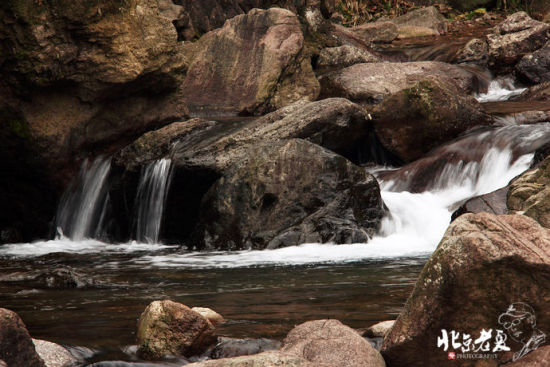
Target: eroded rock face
288, 193
369, 84
418, 119
535, 67
253, 65
515, 37
332, 343
16, 346
170, 328
483, 264
529, 194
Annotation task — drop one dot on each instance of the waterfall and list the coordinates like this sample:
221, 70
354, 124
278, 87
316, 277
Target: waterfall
81, 211
151, 196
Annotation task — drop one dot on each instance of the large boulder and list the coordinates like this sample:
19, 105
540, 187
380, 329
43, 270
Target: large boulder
483, 267
202, 16
515, 37
426, 17
332, 343
369, 84
16, 346
288, 193
202, 151
170, 328
418, 119
254, 64
529, 194
535, 67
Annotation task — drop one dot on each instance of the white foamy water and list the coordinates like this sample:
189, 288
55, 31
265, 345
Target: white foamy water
415, 227
500, 90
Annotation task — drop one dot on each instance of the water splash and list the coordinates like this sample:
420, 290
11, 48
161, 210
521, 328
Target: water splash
81, 211
500, 90
151, 196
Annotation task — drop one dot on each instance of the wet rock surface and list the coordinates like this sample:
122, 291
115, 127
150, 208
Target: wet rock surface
16, 346
415, 120
507, 261
289, 193
170, 328
254, 64
493, 203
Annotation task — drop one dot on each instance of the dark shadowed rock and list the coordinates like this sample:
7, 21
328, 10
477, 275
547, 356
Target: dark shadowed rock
334, 58
370, 83
515, 37
535, 67
16, 346
529, 194
332, 343
493, 203
467, 5
287, 193
418, 119
170, 328
229, 347
427, 17
54, 355
253, 65
483, 264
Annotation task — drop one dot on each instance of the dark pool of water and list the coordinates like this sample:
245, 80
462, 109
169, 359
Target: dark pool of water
257, 302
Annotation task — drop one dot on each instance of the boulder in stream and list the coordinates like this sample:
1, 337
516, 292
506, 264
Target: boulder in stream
379, 330
230, 347
428, 18
515, 37
475, 51
535, 67
288, 193
170, 328
483, 267
16, 345
254, 64
417, 119
369, 84
333, 58
377, 32
529, 194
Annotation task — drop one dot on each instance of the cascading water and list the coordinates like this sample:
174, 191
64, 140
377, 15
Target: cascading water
500, 90
151, 196
81, 211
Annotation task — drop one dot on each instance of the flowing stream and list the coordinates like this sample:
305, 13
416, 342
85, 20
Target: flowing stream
261, 293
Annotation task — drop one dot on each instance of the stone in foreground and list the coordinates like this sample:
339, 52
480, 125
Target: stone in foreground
483, 265
332, 343
16, 346
54, 355
170, 328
